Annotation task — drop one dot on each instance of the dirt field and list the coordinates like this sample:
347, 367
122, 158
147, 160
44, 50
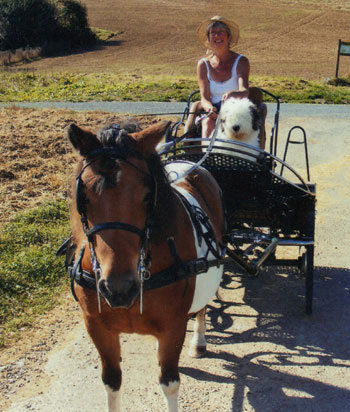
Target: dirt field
35, 156
292, 38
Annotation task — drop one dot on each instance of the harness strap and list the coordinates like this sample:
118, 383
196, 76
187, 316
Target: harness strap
199, 218
115, 225
75, 271
165, 277
84, 279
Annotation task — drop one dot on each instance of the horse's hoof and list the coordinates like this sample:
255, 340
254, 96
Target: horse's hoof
197, 352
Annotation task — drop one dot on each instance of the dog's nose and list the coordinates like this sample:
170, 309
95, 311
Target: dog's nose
236, 128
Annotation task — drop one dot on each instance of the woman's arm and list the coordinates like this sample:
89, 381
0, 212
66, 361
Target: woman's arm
204, 89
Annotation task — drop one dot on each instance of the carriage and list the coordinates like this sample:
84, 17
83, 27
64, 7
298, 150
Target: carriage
265, 211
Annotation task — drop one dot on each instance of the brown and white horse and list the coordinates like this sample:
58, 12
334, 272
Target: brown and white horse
138, 242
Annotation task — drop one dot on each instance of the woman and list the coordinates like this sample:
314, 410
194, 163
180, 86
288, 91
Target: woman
223, 73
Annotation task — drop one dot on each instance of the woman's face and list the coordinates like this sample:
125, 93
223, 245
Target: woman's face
218, 37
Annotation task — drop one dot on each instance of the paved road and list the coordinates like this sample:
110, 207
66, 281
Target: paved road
305, 110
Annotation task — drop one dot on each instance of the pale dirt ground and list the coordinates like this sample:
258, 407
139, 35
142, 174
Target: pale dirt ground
264, 354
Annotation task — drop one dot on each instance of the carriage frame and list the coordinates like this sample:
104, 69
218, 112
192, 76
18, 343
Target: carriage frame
264, 210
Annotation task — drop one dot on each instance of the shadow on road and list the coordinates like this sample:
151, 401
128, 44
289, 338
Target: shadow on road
292, 361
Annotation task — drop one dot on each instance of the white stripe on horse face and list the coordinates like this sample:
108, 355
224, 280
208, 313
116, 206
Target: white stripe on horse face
113, 399
171, 392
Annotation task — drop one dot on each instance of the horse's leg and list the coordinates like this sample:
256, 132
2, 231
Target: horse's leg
198, 344
169, 350
108, 347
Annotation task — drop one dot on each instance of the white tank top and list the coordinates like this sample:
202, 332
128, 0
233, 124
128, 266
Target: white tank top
217, 89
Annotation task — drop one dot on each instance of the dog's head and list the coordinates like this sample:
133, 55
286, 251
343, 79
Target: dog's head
239, 119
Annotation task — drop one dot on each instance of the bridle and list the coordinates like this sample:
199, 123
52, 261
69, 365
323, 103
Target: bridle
120, 153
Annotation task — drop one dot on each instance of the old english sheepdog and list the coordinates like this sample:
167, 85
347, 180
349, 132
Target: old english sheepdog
240, 121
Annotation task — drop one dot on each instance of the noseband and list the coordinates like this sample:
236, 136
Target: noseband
121, 154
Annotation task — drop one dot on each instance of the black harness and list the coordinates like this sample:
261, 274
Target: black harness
179, 270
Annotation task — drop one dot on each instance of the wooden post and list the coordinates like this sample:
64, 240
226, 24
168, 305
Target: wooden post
338, 55
343, 50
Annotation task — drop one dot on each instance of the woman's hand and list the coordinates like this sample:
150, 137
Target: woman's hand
239, 94
226, 96
211, 112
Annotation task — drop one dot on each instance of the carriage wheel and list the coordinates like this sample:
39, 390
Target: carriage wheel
308, 270
307, 265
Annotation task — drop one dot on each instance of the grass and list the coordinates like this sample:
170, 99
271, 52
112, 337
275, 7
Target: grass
31, 276
82, 87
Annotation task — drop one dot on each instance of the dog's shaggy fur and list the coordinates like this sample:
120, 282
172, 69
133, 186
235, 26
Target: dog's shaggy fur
240, 121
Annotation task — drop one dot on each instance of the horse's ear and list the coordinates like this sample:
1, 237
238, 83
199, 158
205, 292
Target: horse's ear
82, 140
147, 139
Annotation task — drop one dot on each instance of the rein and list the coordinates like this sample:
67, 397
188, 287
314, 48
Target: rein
206, 154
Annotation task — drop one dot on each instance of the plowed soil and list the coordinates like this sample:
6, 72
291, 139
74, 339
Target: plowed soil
292, 38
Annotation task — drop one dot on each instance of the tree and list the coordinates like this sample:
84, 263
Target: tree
60, 24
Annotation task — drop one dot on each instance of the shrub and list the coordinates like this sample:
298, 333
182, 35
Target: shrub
55, 26
26, 23
73, 31
72, 18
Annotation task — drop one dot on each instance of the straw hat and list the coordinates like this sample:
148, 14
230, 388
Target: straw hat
202, 30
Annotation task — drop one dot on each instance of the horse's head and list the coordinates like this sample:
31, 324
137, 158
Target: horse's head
116, 193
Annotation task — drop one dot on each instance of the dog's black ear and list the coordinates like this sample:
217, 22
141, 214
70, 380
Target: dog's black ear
255, 118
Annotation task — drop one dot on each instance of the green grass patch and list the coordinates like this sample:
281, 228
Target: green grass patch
294, 90
31, 276
83, 87
103, 35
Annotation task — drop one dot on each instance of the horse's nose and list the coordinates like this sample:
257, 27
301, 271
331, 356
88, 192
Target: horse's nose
120, 293
236, 128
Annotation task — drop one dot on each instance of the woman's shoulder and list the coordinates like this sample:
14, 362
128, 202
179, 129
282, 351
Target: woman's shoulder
242, 58
203, 61
243, 62
235, 55
203, 66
